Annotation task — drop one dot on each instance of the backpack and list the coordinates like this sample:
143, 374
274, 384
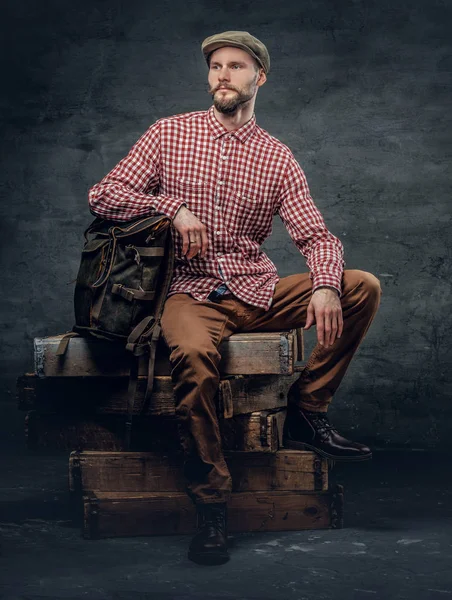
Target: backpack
121, 287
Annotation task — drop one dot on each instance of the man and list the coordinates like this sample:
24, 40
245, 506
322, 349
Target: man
221, 179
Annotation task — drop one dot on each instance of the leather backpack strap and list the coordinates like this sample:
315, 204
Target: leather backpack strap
141, 332
151, 366
107, 262
153, 343
131, 294
131, 398
64, 342
138, 350
167, 279
133, 385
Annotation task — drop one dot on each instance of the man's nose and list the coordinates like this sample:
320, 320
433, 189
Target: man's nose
223, 74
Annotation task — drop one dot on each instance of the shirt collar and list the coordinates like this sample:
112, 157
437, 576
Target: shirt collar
218, 130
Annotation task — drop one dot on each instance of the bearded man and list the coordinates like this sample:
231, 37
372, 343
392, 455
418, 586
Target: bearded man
221, 178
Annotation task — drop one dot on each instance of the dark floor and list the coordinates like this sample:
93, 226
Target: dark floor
396, 543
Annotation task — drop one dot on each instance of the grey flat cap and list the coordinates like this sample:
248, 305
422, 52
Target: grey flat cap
238, 39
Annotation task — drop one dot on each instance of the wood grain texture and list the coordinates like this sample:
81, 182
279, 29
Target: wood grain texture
108, 395
256, 393
59, 432
242, 354
258, 432
157, 472
110, 514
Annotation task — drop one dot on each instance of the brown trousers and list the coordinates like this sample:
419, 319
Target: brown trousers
193, 331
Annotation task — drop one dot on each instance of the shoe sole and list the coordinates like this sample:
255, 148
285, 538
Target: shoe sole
208, 559
303, 446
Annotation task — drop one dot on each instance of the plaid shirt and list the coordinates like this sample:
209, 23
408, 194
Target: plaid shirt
234, 182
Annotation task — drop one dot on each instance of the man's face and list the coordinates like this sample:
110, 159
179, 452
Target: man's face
234, 78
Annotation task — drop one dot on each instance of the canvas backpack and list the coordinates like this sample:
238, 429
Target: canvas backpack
121, 287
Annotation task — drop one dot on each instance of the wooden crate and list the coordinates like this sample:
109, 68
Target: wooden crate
242, 354
257, 432
62, 432
119, 514
108, 395
286, 470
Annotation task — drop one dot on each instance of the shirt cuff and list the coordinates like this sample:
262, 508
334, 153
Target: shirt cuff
326, 282
326, 287
168, 205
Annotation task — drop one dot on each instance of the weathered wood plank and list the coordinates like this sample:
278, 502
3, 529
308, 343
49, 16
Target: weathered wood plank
284, 470
256, 393
157, 472
105, 395
258, 432
242, 354
63, 432
125, 472
109, 514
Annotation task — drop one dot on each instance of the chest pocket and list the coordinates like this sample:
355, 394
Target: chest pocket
250, 214
193, 193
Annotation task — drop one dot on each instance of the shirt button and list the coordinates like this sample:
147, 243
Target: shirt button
219, 254
218, 232
220, 182
223, 156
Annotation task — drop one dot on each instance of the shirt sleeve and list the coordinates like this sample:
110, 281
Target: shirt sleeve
323, 251
131, 189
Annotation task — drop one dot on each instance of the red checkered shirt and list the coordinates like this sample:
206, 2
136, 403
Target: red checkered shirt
234, 182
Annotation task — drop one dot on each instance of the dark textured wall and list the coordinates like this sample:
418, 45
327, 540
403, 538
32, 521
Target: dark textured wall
360, 90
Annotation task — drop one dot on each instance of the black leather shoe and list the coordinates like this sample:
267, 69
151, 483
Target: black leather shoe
209, 546
305, 430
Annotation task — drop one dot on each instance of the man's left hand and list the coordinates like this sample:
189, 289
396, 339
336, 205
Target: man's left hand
325, 311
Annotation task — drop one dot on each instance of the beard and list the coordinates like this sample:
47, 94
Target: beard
230, 105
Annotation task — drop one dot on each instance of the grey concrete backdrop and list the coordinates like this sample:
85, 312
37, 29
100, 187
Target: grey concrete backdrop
360, 90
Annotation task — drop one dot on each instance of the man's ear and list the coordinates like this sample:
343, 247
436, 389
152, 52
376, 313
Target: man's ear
262, 78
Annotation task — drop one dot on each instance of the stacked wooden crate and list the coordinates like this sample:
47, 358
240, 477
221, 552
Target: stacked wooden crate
77, 402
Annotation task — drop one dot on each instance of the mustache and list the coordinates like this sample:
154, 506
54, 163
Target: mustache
222, 85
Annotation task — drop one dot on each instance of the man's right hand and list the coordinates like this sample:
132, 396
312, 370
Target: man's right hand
193, 232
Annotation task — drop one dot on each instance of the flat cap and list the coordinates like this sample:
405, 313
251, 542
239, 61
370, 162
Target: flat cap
239, 39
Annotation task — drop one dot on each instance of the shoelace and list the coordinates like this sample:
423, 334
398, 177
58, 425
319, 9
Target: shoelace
320, 422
